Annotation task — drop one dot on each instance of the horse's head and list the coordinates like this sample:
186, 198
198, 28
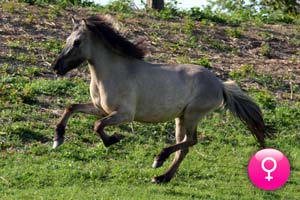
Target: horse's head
76, 49
81, 44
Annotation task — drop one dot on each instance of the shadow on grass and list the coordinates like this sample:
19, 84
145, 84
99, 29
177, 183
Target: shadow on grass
27, 135
185, 195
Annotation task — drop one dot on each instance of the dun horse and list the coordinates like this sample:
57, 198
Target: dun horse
125, 88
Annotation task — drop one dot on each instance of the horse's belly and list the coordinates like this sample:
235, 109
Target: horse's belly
158, 113
160, 103
155, 118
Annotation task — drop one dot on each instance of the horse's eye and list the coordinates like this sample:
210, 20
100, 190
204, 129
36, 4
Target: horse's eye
77, 43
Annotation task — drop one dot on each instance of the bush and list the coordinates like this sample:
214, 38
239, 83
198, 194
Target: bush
206, 14
122, 6
257, 10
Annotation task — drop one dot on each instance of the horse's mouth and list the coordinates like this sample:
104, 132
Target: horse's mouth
59, 69
63, 68
60, 72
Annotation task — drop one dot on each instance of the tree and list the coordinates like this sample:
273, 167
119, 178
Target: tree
287, 6
155, 4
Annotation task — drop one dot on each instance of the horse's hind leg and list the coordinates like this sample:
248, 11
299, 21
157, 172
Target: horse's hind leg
88, 108
180, 134
186, 136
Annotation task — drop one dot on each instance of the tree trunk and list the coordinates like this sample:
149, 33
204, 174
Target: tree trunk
155, 4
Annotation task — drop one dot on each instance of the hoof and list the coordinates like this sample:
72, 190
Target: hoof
160, 179
57, 143
115, 138
157, 164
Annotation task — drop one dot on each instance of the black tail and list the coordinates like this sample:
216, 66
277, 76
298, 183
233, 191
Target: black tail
247, 110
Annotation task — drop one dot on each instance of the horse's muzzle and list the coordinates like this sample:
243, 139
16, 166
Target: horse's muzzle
58, 68
62, 66
60, 72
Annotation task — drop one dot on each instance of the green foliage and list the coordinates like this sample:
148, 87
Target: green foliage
52, 45
23, 57
170, 11
258, 10
246, 70
229, 5
276, 16
62, 3
83, 168
48, 87
265, 50
15, 44
286, 6
120, 6
219, 45
234, 32
204, 61
266, 99
11, 88
219, 11
10, 6
198, 14
188, 26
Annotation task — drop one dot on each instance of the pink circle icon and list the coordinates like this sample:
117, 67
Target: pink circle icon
269, 169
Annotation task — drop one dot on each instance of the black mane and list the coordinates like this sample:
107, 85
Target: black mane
100, 26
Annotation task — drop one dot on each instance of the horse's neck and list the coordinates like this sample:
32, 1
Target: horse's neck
106, 65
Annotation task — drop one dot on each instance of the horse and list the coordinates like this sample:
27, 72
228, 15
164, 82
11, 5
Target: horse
125, 88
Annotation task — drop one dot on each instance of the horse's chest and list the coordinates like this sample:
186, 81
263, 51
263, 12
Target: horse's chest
95, 95
103, 98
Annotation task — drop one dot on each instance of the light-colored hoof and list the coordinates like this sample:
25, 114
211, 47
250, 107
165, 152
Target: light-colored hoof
57, 143
157, 164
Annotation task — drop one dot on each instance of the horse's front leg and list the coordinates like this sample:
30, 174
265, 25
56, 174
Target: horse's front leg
87, 108
114, 118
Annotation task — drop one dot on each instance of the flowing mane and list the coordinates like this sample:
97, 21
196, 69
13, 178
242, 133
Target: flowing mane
105, 30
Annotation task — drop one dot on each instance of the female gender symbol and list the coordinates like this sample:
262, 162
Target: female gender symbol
269, 161
269, 177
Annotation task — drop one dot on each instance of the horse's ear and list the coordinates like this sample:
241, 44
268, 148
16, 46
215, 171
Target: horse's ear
84, 23
74, 21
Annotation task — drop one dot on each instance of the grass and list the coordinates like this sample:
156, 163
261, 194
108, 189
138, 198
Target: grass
219, 45
265, 50
84, 168
204, 61
234, 32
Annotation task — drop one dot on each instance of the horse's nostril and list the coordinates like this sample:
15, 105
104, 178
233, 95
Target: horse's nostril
54, 66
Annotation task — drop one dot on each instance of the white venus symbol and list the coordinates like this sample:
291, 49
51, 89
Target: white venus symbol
269, 177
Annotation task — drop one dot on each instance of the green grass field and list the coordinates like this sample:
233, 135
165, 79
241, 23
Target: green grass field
31, 102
